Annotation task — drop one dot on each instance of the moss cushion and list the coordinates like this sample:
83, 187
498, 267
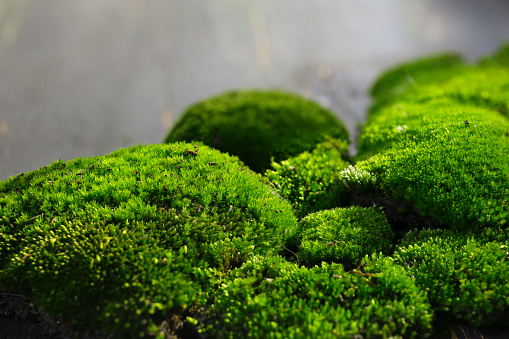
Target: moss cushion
126, 241
257, 125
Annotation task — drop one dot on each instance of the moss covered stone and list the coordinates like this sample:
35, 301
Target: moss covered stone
443, 147
344, 235
126, 241
257, 125
181, 239
272, 298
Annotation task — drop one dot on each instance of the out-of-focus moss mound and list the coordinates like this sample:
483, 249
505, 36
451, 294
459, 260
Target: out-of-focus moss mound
256, 125
124, 242
272, 298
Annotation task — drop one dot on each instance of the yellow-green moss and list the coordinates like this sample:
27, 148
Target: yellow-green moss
310, 181
443, 147
344, 235
272, 298
125, 241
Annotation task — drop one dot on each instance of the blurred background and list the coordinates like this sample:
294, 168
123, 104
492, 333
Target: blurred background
85, 77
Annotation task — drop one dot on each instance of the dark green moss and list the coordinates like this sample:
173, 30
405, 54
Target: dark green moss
310, 181
271, 298
257, 125
124, 242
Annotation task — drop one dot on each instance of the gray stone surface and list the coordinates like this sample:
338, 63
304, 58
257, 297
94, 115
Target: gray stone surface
85, 77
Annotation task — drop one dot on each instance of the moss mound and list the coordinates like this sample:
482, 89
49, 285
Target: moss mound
310, 181
417, 73
344, 235
443, 147
465, 275
128, 241
257, 125
271, 298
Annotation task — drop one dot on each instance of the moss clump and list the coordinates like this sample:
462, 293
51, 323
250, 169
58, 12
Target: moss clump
344, 235
124, 242
416, 74
310, 181
499, 59
184, 240
465, 275
442, 147
257, 125
271, 298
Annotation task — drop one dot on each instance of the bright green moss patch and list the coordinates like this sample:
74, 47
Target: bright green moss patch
271, 298
443, 147
344, 235
123, 242
408, 121
463, 275
183, 240
310, 180
257, 125
459, 179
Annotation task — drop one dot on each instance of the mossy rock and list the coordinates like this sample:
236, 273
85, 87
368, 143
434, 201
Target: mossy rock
464, 274
310, 181
344, 235
258, 125
443, 149
181, 239
272, 298
433, 152
124, 242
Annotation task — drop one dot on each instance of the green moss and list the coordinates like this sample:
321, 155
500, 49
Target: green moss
499, 59
439, 144
417, 73
123, 242
344, 235
465, 275
257, 125
271, 298
443, 146
164, 239
310, 181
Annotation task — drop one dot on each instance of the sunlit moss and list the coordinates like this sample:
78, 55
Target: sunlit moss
127, 240
271, 298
